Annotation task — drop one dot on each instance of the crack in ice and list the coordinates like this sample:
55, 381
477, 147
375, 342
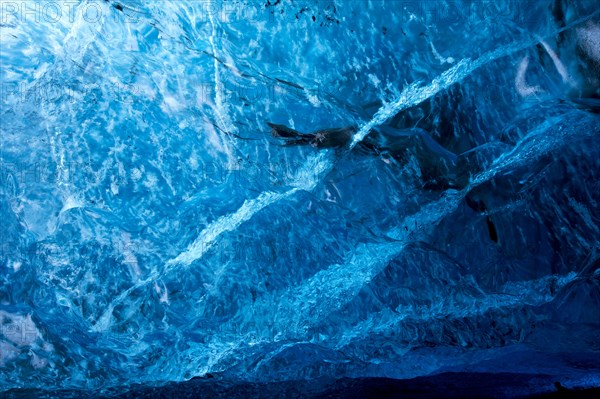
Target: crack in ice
320, 165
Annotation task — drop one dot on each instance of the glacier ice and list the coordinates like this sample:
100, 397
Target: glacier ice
153, 232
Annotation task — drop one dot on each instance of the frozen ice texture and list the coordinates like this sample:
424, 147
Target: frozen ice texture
154, 231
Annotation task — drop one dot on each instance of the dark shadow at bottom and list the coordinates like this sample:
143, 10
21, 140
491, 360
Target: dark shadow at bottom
446, 385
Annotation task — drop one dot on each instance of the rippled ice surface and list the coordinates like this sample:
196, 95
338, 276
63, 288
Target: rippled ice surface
153, 230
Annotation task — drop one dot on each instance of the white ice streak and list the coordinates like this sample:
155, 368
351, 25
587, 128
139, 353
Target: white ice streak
521, 85
511, 295
306, 179
411, 96
333, 287
560, 67
221, 109
320, 165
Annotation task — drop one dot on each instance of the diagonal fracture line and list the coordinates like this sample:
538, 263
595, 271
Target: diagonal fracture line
411, 96
414, 95
307, 179
321, 164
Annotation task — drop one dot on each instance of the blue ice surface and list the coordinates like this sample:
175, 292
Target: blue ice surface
153, 231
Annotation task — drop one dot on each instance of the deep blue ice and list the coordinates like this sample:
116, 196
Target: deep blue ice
154, 230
